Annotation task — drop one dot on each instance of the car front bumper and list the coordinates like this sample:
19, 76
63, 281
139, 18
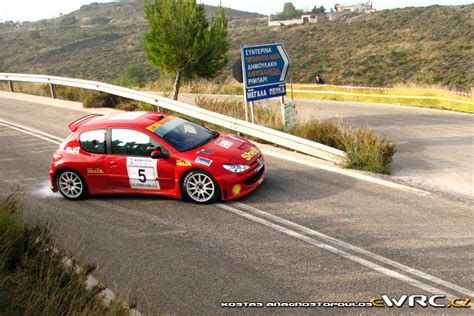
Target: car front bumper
235, 186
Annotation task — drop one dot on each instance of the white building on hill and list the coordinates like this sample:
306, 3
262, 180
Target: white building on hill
357, 7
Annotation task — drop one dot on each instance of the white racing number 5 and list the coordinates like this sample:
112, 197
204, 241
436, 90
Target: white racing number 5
142, 173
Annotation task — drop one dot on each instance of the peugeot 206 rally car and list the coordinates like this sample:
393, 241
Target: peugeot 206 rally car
154, 153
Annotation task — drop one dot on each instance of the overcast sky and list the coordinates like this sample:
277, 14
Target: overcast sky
31, 10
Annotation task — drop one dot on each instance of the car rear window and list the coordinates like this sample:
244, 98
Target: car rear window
93, 141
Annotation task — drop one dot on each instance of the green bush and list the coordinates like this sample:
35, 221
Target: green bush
365, 150
133, 76
99, 100
327, 132
368, 152
128, 105
33, 277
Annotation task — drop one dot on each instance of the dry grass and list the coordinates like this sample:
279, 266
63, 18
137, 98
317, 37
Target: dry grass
365, 150
414, 95
33, 277
227, 87
268, 116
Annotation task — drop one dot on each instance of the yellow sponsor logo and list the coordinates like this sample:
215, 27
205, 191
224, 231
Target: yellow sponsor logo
250, 154
236, 189
153, 127
95, 171
183, 163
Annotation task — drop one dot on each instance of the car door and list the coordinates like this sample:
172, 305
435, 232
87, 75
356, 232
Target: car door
129, 165
93, 149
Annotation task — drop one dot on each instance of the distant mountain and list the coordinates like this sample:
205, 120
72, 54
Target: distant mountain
430, 45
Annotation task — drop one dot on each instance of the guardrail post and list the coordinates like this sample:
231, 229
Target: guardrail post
52, 88
10, 86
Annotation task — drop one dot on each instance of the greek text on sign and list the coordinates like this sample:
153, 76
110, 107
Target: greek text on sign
265, 68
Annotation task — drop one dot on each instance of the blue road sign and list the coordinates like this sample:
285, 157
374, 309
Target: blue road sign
265, 68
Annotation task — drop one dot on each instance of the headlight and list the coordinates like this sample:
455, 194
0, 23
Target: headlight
236, 168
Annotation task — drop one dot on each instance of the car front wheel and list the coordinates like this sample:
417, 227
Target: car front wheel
71, 185
200, 187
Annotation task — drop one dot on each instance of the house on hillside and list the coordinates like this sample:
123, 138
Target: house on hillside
305, 18
342, 10
357, 7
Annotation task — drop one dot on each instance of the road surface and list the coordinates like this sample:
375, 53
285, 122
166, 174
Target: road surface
435, 148
305, 235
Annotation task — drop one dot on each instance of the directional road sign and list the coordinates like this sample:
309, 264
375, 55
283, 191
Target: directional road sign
265, 68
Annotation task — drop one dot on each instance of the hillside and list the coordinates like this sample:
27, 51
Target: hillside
430, 45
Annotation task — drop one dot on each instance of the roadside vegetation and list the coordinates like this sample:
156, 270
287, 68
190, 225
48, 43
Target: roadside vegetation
366, 151
414, 95
202, 42
34, 279
431, 45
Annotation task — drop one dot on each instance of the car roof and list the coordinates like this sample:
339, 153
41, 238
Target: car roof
124, 119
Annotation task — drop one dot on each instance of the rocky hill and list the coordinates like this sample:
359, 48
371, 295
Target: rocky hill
431, 45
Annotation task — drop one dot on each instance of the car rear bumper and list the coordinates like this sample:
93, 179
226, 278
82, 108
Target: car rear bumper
52, 185
237, 186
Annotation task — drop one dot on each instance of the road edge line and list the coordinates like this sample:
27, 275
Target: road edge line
345, 172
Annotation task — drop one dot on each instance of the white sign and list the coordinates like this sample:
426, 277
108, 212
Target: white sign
142, 173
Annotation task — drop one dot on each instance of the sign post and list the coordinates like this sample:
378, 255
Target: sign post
264, 71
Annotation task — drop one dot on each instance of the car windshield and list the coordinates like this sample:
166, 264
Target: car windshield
182, 134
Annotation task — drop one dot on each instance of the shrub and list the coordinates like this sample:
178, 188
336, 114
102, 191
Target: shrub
128, 105
265, 115
33, 277
99, 20
368, 152
68, 20
35, 34
133, 76
99, 100
327, 132
365, 150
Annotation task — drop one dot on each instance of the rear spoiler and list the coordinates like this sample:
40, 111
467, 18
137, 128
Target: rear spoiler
74, 125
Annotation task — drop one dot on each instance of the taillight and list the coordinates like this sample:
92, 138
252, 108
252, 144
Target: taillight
57, 157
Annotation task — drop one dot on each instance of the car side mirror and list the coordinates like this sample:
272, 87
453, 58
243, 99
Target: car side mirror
157, 154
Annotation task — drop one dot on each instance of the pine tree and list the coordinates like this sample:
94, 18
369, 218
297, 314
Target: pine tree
183, 42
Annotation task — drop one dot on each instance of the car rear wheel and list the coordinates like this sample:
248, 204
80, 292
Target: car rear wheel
200, 187
71, 185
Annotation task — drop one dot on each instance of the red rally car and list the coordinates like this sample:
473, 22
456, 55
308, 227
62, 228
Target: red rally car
154, 153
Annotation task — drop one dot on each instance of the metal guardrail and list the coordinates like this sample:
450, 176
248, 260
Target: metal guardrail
276, 137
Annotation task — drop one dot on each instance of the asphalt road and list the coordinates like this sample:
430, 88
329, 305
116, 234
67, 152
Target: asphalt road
187, 259
435, 147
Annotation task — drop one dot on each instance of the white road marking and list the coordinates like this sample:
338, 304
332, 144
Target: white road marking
32, 132
359, 250
339, 252
57, 140
325, 246
31, 129
344, 172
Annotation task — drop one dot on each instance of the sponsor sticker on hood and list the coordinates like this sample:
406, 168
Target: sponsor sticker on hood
225, 143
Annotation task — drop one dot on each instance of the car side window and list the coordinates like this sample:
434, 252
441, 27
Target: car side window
93, 141
132, 143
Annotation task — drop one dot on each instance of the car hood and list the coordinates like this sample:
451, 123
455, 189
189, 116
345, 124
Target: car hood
230, 149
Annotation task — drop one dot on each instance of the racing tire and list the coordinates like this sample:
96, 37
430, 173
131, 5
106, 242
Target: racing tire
71, 185
200, 187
